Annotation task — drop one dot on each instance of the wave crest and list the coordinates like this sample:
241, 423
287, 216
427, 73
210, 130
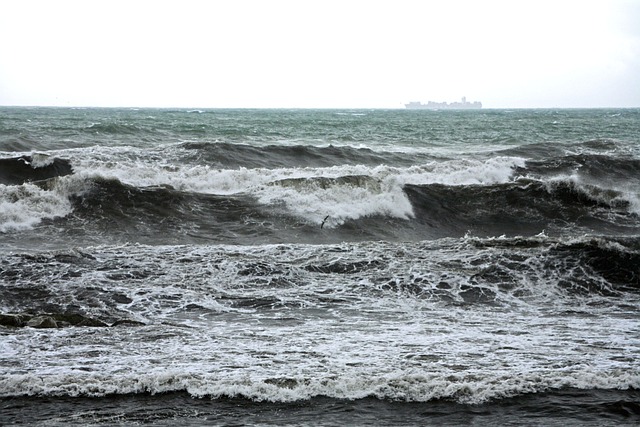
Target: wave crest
400, 386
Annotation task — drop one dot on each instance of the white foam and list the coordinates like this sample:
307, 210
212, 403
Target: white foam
340, 335
343, 202
494, 170
340, 201
411, 385
634, 201
24, 206
204, 179
39, 160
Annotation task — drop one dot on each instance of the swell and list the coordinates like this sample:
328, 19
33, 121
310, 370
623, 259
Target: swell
228, 155
110, 209
317, 210
18, 170
593, 166
162, 214
117, 128
150, 201
521, 207
604, 161
557, 149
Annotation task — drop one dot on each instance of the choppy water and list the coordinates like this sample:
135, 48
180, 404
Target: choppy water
319, 267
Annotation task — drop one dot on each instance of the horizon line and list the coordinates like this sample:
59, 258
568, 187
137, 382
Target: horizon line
308, 108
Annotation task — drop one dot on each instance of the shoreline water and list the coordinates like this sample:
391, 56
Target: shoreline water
554, 408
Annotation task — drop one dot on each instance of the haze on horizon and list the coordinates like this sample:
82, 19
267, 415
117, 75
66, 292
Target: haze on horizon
319, 54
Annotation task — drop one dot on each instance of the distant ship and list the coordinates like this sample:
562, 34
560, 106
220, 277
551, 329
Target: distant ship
462, 105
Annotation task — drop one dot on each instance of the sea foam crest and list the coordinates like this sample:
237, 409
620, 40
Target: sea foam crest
379, 190
341, 200
24, 206
403, 386
209, 180
614, 195
41, 160
495, 170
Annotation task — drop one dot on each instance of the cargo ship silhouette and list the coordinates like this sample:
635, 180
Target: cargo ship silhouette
462, 105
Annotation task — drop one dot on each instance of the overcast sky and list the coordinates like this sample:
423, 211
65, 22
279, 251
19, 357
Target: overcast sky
320, 53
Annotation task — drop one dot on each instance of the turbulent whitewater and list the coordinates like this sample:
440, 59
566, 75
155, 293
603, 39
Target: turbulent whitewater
310, 266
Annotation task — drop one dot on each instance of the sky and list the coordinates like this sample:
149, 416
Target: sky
319, 53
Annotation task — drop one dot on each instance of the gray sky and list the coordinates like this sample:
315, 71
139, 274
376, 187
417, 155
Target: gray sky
319, 53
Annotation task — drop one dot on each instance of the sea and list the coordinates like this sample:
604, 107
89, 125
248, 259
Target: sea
319, 267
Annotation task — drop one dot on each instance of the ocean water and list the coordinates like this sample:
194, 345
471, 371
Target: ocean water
319, 267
